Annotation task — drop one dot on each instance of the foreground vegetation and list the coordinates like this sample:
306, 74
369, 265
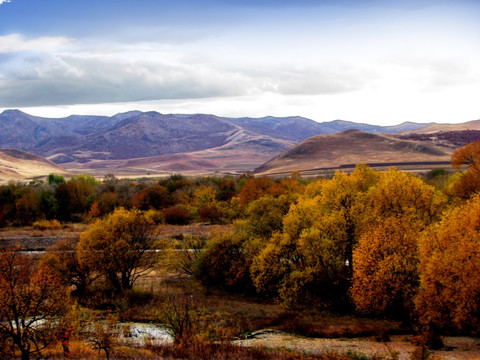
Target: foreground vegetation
365, 245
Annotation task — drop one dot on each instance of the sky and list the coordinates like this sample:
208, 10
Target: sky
372, 61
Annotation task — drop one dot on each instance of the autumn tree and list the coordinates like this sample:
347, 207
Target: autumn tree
405, 195
449, 273
62, 258
265, 215
74, 198
119, 247
313, 255
469, 181
225, 262
397, 209
31, 299
153, 197
385, 278
254, 188
27, 207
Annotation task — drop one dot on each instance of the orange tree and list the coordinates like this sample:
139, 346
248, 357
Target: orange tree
385, 277
449, 274
469, 181
31, 301
385, 259
119, 247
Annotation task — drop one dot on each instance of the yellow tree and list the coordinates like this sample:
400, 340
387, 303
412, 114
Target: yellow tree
449, 273
404, 195
119, 247
314, 253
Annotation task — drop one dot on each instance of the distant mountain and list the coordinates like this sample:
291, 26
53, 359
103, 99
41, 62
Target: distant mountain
16, 164
123, 136
298, 128
350, 147
206, 141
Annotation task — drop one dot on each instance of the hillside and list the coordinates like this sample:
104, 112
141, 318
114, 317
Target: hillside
347, 148
137, 134
297, 128
434, 128
149, 142
16, 165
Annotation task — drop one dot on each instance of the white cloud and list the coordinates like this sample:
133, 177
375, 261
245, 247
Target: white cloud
5, 1
60, 71
17, 43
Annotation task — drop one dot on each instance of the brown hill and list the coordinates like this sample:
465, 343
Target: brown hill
433, 128
17, 165
350, 147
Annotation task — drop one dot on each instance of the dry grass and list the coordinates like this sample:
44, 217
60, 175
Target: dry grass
240, 315
203, 230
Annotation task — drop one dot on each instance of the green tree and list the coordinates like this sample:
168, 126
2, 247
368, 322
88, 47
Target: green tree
54, 179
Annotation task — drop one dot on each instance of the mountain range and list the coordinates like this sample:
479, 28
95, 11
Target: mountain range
136, 143
144, 134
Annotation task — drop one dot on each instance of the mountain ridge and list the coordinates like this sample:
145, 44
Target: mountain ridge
206, 141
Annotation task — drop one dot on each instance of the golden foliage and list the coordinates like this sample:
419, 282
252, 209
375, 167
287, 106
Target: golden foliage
119, 247
385, 277
449, 273
404, 195
469, 182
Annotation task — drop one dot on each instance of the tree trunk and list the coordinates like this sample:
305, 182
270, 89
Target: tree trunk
25, 354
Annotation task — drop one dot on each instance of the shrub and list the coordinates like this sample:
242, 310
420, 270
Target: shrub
47, 225
177, 215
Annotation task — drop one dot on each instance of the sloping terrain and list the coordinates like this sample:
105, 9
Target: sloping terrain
149, 142
448, 139
297, 128
350, 147
16, 165
137, 134
242, 152
434, 128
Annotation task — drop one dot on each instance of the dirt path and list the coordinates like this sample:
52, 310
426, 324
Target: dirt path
400, 347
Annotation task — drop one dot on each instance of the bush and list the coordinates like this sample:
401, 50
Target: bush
177, 215
47, 225
155, 215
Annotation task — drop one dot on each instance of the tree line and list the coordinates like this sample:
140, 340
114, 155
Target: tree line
174, 200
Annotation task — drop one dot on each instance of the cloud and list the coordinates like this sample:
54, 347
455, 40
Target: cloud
56, 80
5, 1
61, 71
13, 43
